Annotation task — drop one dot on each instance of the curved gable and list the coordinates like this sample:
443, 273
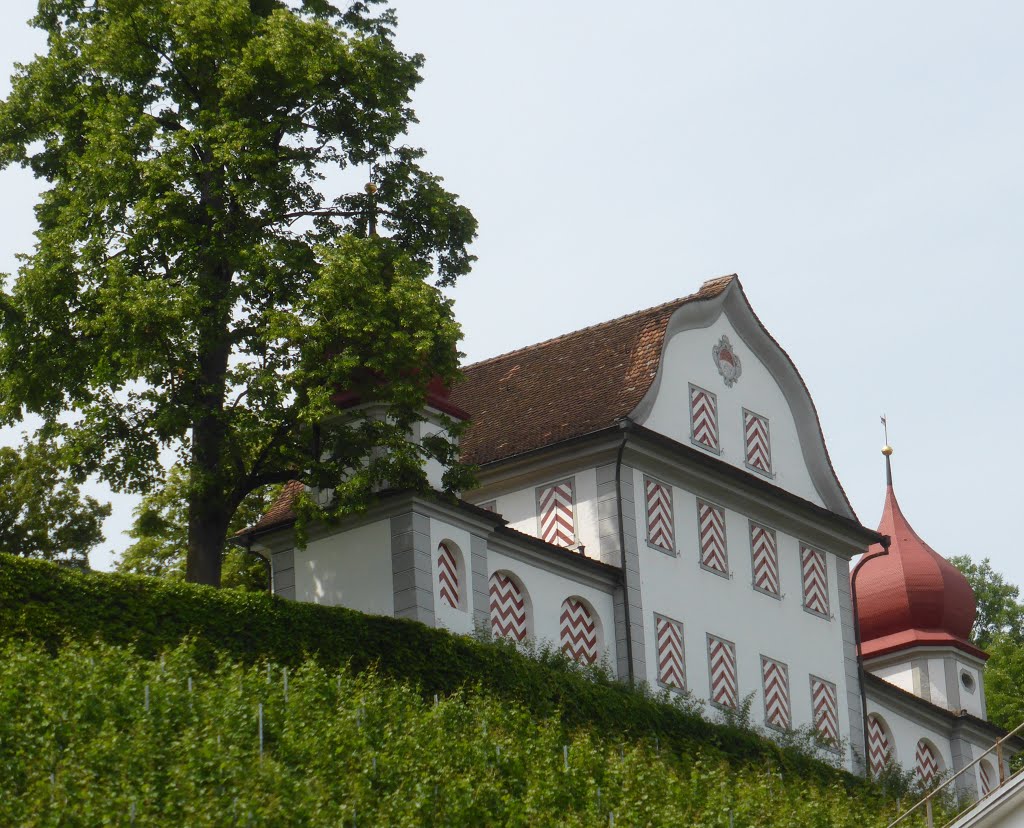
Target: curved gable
768, 404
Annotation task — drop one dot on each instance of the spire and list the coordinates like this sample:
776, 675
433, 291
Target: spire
887, 451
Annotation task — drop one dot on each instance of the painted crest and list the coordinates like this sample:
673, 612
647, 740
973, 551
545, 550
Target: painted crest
727, 361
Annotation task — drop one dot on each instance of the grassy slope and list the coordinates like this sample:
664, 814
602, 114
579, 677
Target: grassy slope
50, 607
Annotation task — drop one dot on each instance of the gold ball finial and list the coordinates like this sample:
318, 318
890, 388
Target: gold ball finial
887, 450
370, 188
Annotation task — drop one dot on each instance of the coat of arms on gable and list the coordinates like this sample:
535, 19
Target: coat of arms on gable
727, 361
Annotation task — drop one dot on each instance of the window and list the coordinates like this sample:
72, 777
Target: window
510, 615
451, 575
775, 685
711, 538
825, 711
660, 525
722, 672
757, 443
555, 514
814, 577
704, 418
671, 655
579, 631
764, 559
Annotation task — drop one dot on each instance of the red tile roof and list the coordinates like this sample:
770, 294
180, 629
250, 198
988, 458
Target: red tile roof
568, 386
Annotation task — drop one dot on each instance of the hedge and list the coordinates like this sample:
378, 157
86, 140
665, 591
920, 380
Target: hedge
52, 605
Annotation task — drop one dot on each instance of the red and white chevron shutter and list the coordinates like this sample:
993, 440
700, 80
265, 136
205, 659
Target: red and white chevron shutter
671, 661
508, 608
775, 684
756, 441
825, 710
764, 555
722, 668
927, 763
711, 531
554, 511
704, 418
660, 528
579, 631
987, 776
879, 749
815, 580
448, 575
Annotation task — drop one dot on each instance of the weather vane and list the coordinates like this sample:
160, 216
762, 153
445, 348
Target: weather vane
886, 449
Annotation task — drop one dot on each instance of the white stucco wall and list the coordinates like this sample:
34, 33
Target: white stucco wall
457, 620
901, 675
731, 608
349, 569
971, 701
519, 508
546, 591
688, 359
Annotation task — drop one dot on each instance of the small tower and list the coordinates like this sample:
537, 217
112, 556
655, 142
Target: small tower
916, 611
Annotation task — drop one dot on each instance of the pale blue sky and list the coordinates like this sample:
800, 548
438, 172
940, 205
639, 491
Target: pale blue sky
858, 165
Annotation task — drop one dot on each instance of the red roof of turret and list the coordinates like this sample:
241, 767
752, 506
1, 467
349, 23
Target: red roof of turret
912, 596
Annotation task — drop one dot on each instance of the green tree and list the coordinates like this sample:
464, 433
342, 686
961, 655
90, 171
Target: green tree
160, 532
201, 279
42, 511
1000, 613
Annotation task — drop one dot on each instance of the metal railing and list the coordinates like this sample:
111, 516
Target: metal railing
927, 803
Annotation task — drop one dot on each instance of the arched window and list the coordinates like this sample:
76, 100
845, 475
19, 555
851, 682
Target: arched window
928, 764
510, 616
986, 777
880, 744
579, 631
451, 576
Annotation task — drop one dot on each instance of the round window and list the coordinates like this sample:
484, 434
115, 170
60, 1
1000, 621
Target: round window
967, 680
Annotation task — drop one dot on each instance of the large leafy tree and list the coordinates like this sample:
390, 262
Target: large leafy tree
43, 513
201, 281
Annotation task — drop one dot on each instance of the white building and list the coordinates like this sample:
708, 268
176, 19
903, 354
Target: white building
656, 491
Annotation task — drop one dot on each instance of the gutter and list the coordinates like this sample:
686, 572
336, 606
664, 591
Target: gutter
625, 426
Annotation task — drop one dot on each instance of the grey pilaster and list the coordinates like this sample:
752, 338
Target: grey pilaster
611, 552
478, 582
411, 569
282, 573
854, 702
952, 684
921, 679
962, 753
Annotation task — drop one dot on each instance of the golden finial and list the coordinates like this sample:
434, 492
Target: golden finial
370, 188
887, 450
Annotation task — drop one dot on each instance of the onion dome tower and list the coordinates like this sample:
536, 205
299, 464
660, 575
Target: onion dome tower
915, 611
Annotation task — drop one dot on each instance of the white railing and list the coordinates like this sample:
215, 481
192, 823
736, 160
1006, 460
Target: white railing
1003, 778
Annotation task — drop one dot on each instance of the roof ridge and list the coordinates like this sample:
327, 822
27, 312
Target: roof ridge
710, 284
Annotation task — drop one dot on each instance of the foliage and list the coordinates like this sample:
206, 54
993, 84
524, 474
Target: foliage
109, 738
1004, 678
999, 610
160, 531
53, 606
193, 285
42, 511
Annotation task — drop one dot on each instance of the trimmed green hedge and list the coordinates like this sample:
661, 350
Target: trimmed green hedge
52, 605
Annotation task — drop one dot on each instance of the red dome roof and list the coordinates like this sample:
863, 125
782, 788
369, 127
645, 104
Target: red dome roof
912, 596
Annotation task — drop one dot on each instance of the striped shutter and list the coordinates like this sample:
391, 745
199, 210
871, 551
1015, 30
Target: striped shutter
722, 669
508, 608
671, 661
815, 580
927, 763
555, 513
775, 684
986, 776
879, 749
704, 418
660, 528
578, 632
764, 556
448, 575
756, 442
711, 531
825, 710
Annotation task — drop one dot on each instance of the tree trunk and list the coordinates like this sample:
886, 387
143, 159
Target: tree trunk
207, 531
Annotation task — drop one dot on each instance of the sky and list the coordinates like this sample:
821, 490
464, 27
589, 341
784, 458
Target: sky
858, 165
